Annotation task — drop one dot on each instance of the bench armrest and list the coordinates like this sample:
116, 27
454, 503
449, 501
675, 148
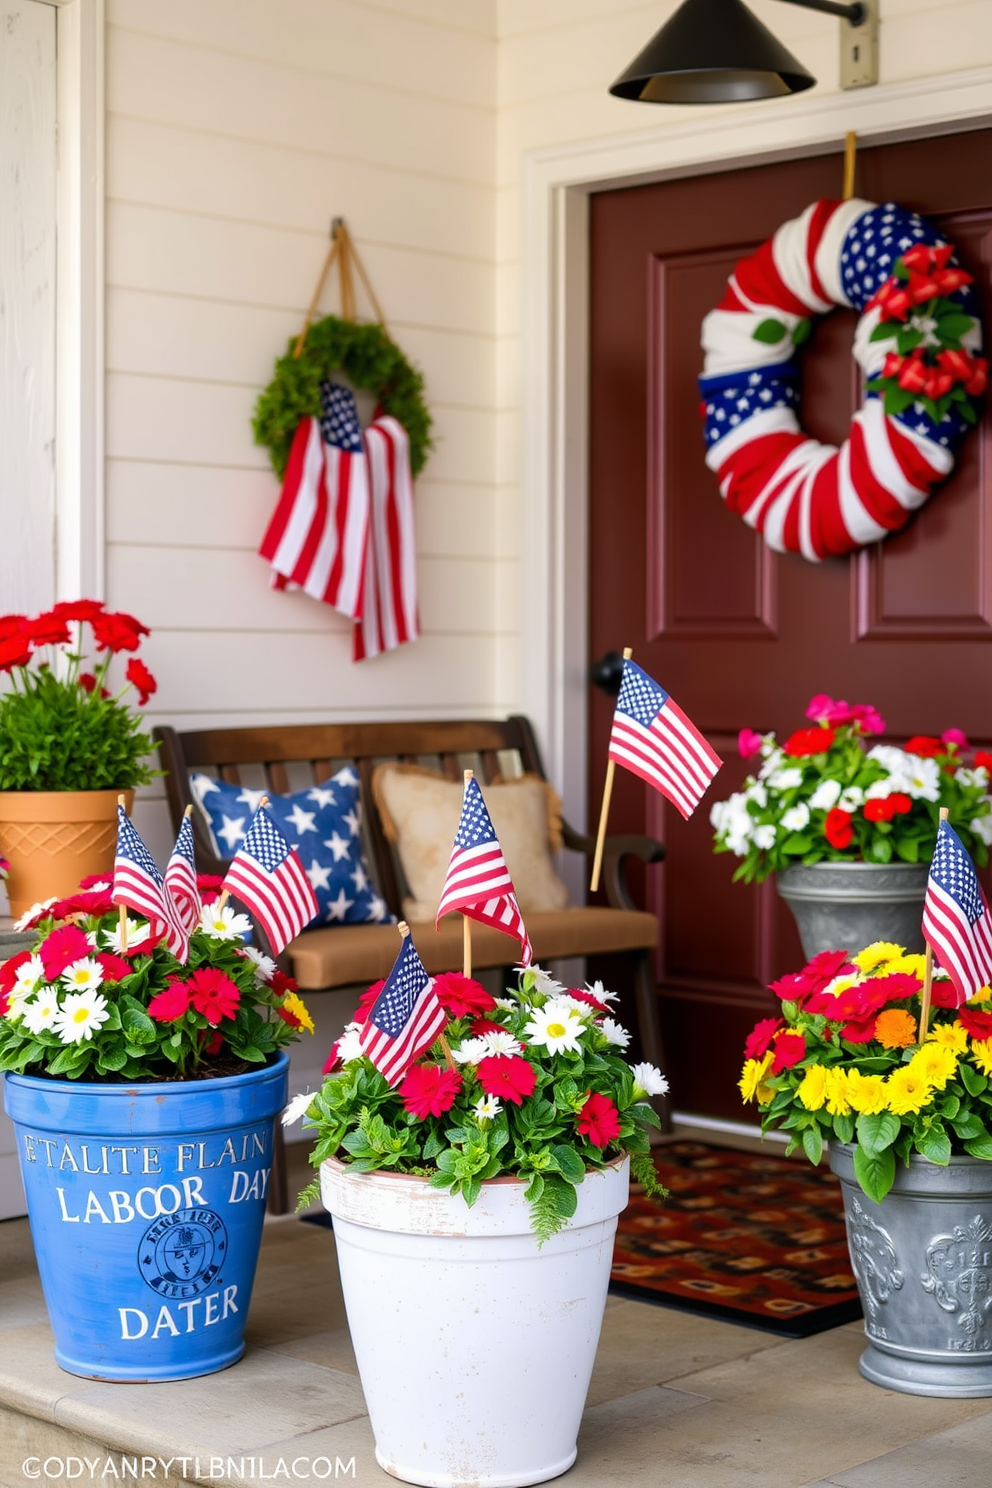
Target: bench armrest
616, 850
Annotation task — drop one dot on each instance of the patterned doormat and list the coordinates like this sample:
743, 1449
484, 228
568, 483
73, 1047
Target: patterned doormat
754, 1239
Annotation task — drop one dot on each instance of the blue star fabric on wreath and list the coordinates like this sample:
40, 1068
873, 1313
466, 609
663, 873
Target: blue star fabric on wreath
323, 824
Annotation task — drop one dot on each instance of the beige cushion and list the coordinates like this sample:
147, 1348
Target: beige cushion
420, 812
355, 955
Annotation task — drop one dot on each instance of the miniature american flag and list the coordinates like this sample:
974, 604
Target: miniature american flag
139, 885
652, 737
477, 881
268, 878
405, 1019
180, 878
956, 920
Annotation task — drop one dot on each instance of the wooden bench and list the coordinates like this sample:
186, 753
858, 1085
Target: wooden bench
293, 757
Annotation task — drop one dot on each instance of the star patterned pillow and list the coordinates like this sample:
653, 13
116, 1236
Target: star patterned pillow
323, 824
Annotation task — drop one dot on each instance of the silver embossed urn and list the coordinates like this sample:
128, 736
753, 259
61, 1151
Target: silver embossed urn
923, 1262
840, 906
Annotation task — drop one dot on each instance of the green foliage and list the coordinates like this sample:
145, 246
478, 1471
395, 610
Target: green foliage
368, 358
55, 736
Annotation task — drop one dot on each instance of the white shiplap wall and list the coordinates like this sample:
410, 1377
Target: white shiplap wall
235, 130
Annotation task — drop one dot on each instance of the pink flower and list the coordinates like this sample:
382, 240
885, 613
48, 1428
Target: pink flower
955, 736
748, 743
599, 1120
170, 1004
760, 1038
868, 719
429, 1090
789, 1049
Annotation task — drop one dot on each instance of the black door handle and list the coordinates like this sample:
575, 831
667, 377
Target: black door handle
607, 673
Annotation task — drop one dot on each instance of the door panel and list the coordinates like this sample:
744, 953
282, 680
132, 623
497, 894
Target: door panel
742, 636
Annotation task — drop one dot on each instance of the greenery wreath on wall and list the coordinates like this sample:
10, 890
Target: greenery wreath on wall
369, 360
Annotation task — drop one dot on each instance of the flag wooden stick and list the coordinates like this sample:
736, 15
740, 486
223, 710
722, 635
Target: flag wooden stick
597, 862
466, 922
404, 930
928, 972
122, 909
850, 160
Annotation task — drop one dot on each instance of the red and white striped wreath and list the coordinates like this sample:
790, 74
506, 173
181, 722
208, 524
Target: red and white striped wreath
916, 344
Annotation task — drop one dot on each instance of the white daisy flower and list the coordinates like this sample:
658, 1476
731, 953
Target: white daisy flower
964, 776
923, 779
17, 1001
613, 1033
472, 1051
556, 1025
84, 975
581, 1008
541, 981
826, 795
222, 923
29, 975
296, 1108
648, 1079
137, 935
500, 1043
24, 923
349, 1044
80, 1015
506, 1002
600, 993
39, 1014
487, 1106
265, 967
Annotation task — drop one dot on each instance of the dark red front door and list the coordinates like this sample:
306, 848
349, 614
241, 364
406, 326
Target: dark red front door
741, 636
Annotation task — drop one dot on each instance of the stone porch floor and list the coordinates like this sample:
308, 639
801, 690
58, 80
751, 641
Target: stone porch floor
677, 1401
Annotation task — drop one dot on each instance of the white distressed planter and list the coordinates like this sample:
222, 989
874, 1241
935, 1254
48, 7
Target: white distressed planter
475, 1347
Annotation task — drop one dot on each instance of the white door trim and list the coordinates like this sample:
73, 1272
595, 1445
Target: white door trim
555, 187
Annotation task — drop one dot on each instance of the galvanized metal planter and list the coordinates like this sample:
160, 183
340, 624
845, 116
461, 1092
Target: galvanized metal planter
844, 906
923, 1261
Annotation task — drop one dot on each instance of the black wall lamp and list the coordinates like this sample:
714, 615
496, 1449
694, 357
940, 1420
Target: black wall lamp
717, 51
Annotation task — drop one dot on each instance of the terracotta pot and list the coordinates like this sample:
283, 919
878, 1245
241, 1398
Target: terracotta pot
55, 838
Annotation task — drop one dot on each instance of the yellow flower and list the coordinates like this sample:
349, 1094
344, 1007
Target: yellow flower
877, 954
839, 985
836, 1088
296, 1007
895, 1028
907, 1091
949, 1036
911, 964
812, 1090
765, 1093
866, 1093
753, 1075
935, 1063
981, 1055
982, 995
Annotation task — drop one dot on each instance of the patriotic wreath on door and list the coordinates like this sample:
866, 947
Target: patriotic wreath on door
343, 527
916, 344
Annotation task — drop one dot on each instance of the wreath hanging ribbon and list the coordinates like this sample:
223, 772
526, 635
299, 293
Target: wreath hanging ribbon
343, 530
916, 344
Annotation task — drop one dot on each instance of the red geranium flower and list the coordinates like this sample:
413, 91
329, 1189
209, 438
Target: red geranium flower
461, 996
140, 677
87, 682
114, 968
837, 828
759, 1040
859, 1031
215, 1044
485, 1025
926, 746
978, 1024
886, 807
13, 625
9, 970
430, 1090
213, 994
61, 948
281, 983
48, 630
118, 632
169, 1005
944, 995
14, 652
793, 987
599, 1120
809, 741
78, 609
509, 1076
983, 758
209, 885
789, 1049
92, 879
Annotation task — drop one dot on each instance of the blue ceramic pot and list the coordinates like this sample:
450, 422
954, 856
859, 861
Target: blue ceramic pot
146, 1205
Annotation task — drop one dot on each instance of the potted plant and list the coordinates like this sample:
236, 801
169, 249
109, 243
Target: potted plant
68, 744
909, 1127
143, 1092
848, 828
474, 1208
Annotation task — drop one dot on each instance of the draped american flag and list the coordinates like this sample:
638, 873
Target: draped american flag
343, 528
956, 920
269, 879
318, 534
477, 882
139, 885
180, 878
652, 737
405, 1019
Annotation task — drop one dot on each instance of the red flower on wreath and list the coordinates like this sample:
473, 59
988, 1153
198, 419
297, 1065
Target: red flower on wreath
599, 1120
430, 1090
837, 828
